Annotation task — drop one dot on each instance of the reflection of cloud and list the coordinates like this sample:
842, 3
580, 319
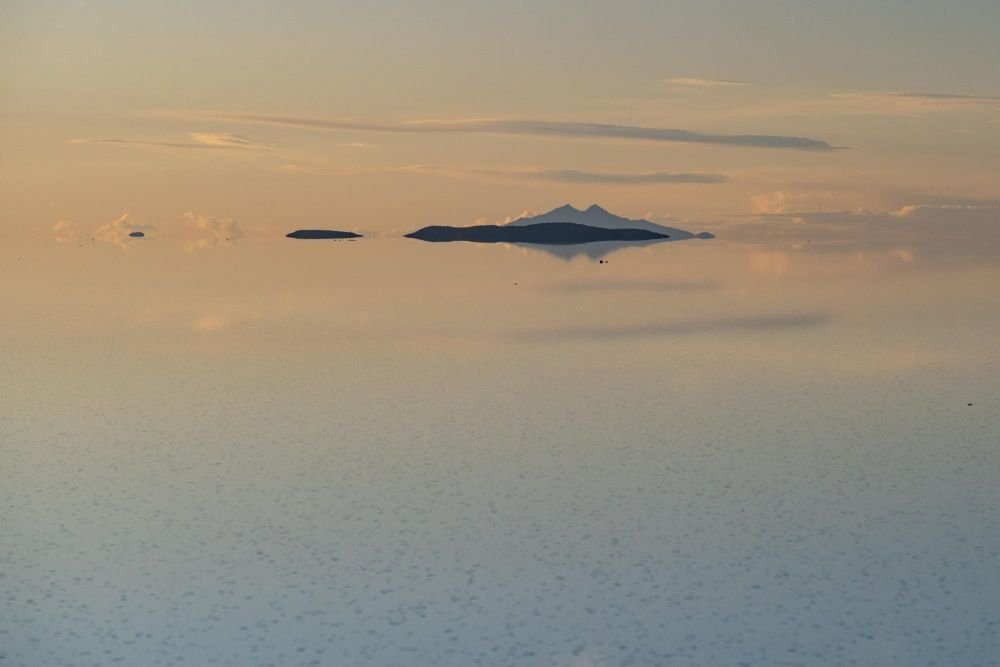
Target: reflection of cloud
773, 262
586, 658
65, 231
707, 83
593, 251
564, 129
211, 231
209, 323
117, 231
207, 140
903, 255
573, 175
671, 329
633, 285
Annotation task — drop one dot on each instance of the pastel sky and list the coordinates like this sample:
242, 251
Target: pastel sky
385, 116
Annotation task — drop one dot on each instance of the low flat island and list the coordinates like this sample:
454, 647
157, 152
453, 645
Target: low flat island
552, 233
322, 234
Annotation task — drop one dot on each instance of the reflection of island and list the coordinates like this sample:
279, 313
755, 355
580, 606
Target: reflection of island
554, 233
562, 226
592, 251
321, 234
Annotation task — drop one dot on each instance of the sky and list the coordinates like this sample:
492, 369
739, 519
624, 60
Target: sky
248, 119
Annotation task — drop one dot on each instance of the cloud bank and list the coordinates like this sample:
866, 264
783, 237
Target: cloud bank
574, 175
966, 232
562, 129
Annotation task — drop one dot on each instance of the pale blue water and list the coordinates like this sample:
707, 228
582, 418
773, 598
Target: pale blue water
388, 453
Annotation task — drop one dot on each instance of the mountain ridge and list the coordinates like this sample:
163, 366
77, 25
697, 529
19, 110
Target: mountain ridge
595, 216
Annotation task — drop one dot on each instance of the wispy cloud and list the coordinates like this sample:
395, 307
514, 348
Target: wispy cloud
321, 170
574, 175
199, 140
937, 97
706, 83
563, 129
227, 140
910, 102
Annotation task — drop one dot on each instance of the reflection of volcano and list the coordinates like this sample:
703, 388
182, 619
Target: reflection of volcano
595, 216
594, 251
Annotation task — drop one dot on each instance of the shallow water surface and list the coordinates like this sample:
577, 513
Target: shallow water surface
385, 453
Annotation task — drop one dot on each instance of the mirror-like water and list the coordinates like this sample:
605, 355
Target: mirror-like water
385, 453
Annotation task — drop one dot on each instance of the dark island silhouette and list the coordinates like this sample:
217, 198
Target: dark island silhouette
321, 234
136, 235
562, 226
552, 233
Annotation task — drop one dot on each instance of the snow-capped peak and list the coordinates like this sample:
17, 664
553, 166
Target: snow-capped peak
595, 216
